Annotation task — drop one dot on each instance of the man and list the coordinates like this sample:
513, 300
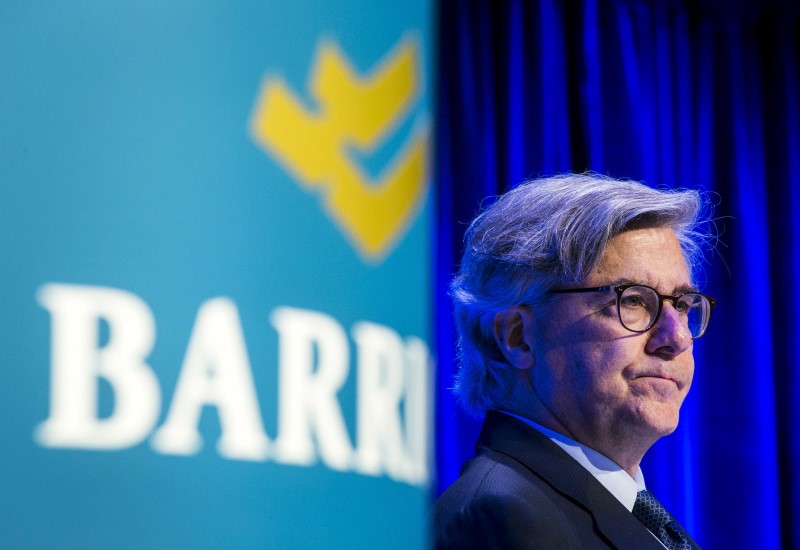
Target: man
577, 312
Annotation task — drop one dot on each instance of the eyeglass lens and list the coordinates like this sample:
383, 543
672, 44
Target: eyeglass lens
639, 306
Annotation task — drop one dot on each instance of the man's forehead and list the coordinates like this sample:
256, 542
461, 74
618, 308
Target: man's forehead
651, 256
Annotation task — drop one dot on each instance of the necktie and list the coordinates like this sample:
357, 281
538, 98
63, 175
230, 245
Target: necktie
655, 517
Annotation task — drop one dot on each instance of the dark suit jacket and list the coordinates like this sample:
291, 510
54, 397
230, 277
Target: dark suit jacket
523, 491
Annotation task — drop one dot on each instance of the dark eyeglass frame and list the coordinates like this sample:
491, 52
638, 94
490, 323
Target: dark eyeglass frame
661, 297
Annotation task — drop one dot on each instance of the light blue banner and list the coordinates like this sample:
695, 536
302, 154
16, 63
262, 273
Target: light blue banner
214, 223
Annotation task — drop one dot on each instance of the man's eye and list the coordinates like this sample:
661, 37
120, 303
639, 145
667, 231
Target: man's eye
632, 301
686, 304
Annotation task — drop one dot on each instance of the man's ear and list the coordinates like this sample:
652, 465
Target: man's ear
512, 332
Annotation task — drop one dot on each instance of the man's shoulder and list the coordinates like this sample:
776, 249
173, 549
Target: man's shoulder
524, 491
493, 473
513, 459
493, 499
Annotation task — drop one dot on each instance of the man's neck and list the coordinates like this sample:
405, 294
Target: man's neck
625, 451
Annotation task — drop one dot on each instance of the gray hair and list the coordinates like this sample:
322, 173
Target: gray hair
547, 232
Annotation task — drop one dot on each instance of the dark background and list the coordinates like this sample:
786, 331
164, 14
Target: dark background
702, 95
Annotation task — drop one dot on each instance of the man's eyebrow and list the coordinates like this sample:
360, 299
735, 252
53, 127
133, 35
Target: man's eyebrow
678, 290
683, 289
623, 281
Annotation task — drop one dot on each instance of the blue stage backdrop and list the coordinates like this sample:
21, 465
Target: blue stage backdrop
700, 94
214, 226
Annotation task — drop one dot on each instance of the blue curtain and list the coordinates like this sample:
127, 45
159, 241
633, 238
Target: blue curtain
704, 97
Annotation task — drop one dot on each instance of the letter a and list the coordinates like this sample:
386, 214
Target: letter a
216, 372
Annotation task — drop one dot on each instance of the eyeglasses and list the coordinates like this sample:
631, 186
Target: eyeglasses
639, 306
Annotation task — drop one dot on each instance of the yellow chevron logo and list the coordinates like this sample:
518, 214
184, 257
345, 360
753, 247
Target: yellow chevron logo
353, 112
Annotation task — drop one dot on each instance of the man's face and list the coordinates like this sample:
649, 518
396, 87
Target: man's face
603, 383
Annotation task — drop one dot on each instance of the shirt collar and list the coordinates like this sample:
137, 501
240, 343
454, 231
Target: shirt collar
606, 471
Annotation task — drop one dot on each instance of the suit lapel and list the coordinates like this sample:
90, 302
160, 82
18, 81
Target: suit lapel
547, 460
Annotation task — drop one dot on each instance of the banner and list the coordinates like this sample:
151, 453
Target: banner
214, 225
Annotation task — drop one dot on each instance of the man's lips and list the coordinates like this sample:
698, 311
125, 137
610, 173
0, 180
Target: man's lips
660, 376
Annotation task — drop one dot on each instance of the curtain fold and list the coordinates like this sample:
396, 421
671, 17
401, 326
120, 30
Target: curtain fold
705, 97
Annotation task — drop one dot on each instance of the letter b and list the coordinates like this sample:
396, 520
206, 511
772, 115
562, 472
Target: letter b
78, 361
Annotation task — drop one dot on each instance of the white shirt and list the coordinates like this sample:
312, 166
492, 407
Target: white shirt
606, 471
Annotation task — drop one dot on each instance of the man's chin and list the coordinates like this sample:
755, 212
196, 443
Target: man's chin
658, 419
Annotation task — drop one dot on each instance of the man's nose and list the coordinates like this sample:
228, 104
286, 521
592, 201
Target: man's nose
670, 336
